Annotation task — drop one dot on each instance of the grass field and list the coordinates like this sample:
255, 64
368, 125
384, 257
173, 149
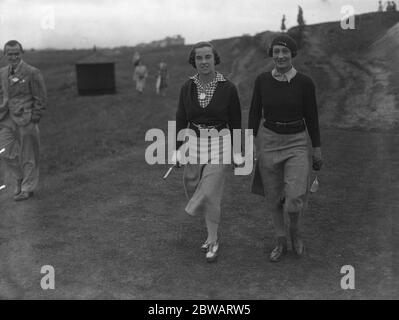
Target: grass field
112, 228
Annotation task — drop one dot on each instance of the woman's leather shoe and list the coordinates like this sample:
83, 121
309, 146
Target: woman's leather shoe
297, 244
212, 253
279, 250
23, 195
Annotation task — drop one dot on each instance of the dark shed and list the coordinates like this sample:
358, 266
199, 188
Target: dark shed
96, 75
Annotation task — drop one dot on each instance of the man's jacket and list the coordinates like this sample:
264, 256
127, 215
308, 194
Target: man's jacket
25, 91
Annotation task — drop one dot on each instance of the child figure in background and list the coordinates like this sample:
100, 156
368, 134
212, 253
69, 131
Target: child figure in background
140, 75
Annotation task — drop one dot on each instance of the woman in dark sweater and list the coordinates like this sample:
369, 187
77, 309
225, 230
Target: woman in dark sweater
207, 101
286, 100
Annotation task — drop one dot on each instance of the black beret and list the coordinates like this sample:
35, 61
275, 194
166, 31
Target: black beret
286, 41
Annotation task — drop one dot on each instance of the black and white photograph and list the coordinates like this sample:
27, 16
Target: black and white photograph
212, 153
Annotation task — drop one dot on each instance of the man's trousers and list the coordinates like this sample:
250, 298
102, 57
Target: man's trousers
21, 155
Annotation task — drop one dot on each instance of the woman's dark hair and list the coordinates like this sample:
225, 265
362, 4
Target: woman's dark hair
13, 43
191, 59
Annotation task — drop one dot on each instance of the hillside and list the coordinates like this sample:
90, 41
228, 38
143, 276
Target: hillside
356, 89
353, 70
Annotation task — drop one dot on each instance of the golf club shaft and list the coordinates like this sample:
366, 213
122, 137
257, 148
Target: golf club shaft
169, 171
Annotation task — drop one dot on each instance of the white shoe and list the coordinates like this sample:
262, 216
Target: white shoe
212, 253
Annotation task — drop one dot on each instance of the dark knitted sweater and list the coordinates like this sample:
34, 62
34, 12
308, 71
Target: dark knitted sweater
281, 101
224, 107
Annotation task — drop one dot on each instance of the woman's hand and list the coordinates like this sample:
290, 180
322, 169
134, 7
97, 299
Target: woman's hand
317, 159
176, 158
238, 160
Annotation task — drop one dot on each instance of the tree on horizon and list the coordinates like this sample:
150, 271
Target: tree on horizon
283, 27
301, 21
299, 33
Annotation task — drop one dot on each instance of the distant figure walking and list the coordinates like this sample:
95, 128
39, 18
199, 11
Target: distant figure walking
391, 6
162, 79
380, 7
24, 100
140, 74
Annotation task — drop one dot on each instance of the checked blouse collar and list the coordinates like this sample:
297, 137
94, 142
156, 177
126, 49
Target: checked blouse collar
205, 93
219, 78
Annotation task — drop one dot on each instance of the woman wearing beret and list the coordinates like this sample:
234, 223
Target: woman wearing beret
284, 100
208, 102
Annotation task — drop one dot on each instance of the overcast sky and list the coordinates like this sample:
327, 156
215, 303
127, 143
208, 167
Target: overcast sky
110, 23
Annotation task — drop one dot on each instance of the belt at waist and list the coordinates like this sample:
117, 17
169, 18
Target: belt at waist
285, 127
199, 126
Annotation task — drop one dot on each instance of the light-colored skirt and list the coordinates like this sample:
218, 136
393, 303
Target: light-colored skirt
213, 150
204, 180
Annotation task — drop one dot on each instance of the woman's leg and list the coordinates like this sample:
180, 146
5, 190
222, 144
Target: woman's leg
273, 183
204, 186
212, 228
272, 176
296, 177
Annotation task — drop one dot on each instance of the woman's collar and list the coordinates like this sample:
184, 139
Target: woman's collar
218, 77
288, 76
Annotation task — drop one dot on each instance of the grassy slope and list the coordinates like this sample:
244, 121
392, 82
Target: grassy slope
77, 129
100, 203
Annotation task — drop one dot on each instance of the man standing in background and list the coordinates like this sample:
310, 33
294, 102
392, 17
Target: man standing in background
24, 99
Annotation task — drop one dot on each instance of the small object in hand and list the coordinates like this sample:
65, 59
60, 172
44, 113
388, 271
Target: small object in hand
2, 150
315, 185
168, 172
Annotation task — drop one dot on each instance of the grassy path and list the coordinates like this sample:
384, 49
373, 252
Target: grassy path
114, 229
